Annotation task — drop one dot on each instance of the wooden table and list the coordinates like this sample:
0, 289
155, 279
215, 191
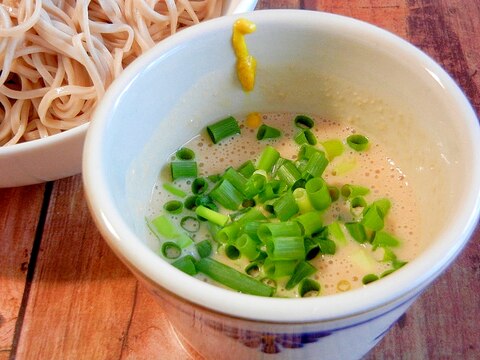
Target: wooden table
64, 295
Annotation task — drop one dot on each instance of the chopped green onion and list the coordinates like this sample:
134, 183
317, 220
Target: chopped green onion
317, 192
364, 260
333, 148
344, 166
280, 268
286, 248
384, 239
211, 215
255, 184
308, 288
232, 278
335, 231
269, 282
186, 264
315, 166
227, 195
183, 240
389, 255
357, 142
190, 202
183, 169
268, 158
327, 246
306, 137
288, 172
247, 247
386, 272
334, 193
204, 248
383, 205
205, 200
279, 187
251, 229
303, 122
238, 181
171, 250
397, 264
248, 203
232, 252
300, 183
214, 178
185, 154
173, 206
172, 189
163, 227
357, 205
312, 249
358, 202
247, 169
302, 270
252, 214
223, 129
268, 231
213, 230
306, 151
285, 207
373, 218
190, 224
199, 186
369, 278
228, 233
202, 201
267, 193
267, 132
311, 222
253, 269
302, 200
356, 231
350, 191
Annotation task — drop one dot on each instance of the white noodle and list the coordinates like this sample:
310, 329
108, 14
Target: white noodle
57, 57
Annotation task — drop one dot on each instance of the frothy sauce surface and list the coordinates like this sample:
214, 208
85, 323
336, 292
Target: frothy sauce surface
375, 169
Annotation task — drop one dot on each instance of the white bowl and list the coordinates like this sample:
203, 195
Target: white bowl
309, 62
60, 155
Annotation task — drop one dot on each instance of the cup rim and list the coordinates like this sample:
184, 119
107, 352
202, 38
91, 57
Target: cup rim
411, 278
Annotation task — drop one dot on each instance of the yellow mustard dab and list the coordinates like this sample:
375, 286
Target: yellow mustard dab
254, 120
246, 63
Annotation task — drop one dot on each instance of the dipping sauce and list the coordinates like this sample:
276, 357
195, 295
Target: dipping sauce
374, 169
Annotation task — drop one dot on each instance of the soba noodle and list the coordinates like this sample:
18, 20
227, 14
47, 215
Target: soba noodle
58, 57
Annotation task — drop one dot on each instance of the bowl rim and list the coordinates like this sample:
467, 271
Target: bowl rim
408, 280
44, 142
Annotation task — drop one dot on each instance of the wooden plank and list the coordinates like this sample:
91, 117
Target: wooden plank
19, 212
82, 297
387, 14
441, 324
84, 304
448, 31
279, 4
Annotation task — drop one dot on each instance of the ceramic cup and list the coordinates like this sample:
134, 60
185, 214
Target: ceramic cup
308, 62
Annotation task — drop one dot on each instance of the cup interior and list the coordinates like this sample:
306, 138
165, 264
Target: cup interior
307, 62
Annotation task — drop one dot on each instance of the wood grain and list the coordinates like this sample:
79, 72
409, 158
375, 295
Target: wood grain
81, 296
19, 214
64, 295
